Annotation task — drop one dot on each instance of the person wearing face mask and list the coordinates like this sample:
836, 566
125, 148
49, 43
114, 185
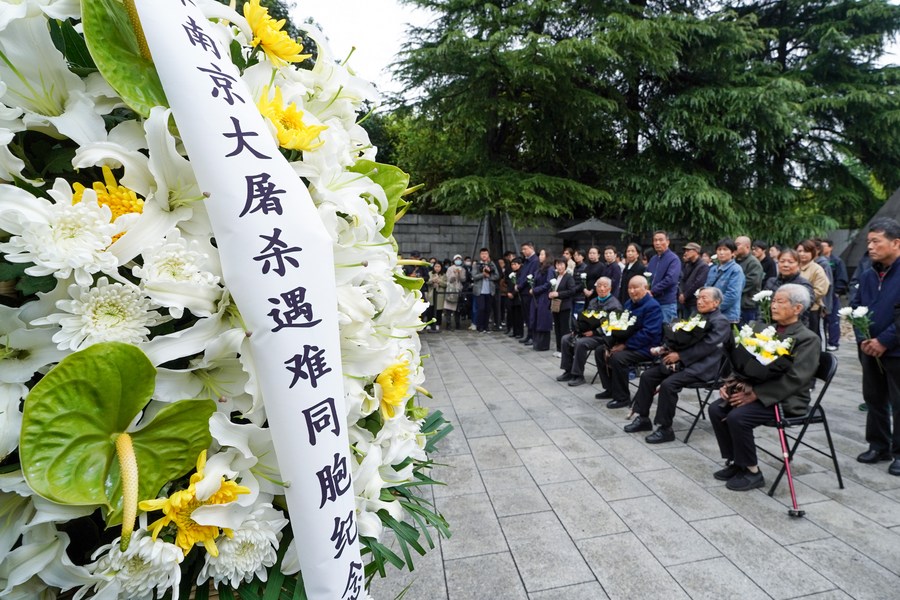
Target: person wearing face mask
456, 278
729, 278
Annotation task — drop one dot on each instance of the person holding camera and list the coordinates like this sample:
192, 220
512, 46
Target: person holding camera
697, 363
485, 275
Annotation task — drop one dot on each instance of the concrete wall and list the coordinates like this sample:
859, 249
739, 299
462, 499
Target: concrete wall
443, 236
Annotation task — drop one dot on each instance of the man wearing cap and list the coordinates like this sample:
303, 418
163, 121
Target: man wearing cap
693, 277
578, 345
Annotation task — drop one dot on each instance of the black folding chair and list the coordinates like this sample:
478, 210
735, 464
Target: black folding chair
710, 387
815, 415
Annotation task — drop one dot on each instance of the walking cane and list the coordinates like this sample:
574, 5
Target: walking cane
794, 512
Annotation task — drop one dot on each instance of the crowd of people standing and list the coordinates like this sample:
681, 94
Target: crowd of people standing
540, 298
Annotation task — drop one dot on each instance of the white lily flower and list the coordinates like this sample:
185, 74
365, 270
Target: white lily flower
41, 557
254, 452
53, 97
367, 485
401, 438
23, 351
11, 395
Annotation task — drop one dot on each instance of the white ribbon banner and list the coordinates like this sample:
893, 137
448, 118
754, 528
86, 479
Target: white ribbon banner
278, 265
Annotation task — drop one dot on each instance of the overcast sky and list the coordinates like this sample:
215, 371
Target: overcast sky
376, 28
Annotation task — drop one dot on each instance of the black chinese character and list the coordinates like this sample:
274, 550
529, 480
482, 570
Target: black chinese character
344, 533
334, 480
320, 417
261, 191
222, 82
241, 144
354, 582
186, 2
277, 251
314, 361
197, 38
295, 301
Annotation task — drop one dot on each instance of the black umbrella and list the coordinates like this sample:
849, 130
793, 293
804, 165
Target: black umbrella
592, 226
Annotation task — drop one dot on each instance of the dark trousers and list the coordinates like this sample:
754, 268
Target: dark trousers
448, 315
881, 391
498, 317
833, 322
749, 314
575, 352
815, 322
613, 371
515, 320
484, 303
526, 311
561, 326
670, 385
735, 433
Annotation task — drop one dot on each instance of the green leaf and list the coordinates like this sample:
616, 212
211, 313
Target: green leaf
29, 284
409, 283
73, 47
114, 48
394, 182
73, 416
9, 271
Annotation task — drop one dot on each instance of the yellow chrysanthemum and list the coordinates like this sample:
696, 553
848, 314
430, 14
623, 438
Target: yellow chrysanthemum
288, 121
178, 507
782, 351
120, 199
394, 382
267, 34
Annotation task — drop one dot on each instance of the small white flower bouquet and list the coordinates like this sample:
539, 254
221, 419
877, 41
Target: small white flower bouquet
760, 355
764, 299
582, 279
859, 318
619, 325
553, 283
530, 280
685, 333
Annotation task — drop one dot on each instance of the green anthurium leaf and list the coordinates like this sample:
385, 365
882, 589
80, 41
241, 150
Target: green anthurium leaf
410, 283
114, 48
165, 449
72, 417
394, 182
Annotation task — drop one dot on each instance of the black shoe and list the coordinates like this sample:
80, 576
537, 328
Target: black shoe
565, 377
746, 481
894, 469
576, 381
604, 395
618, 403
871, 456
639, 424
728, 472
661, 435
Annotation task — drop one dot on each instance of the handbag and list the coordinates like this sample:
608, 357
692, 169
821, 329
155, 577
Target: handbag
555, 304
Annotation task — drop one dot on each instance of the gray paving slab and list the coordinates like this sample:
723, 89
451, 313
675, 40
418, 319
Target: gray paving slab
666, 535
544, 553
513, 491
626, 569
716, 579
778, 572
548, 498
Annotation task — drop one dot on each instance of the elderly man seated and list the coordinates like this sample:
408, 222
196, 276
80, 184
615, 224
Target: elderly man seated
744, 407
613, 364
694, 364
578, 345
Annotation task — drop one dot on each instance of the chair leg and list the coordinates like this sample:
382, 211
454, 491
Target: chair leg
700, 413
837, 469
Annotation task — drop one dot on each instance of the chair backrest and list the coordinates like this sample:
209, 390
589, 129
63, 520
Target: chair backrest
828, 364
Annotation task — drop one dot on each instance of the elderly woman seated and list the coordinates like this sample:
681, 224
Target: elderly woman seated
744, 406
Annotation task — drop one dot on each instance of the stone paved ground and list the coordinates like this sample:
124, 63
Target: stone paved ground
549, 499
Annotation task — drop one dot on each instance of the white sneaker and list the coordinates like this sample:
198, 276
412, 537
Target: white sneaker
557, 355
472, 327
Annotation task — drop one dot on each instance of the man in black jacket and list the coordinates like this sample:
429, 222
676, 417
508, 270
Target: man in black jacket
693, 277
695, 364
577, 346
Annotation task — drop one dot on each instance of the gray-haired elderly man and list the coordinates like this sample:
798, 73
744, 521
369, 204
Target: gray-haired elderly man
578, 345
697, 363
740, 411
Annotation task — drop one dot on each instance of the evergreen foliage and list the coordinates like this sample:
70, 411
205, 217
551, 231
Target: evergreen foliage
770, 118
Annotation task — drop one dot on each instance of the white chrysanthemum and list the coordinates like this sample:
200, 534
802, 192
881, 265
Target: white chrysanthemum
860, 311
763, 295
249, 552
146, 565
174, 275
108, 312
61, 238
